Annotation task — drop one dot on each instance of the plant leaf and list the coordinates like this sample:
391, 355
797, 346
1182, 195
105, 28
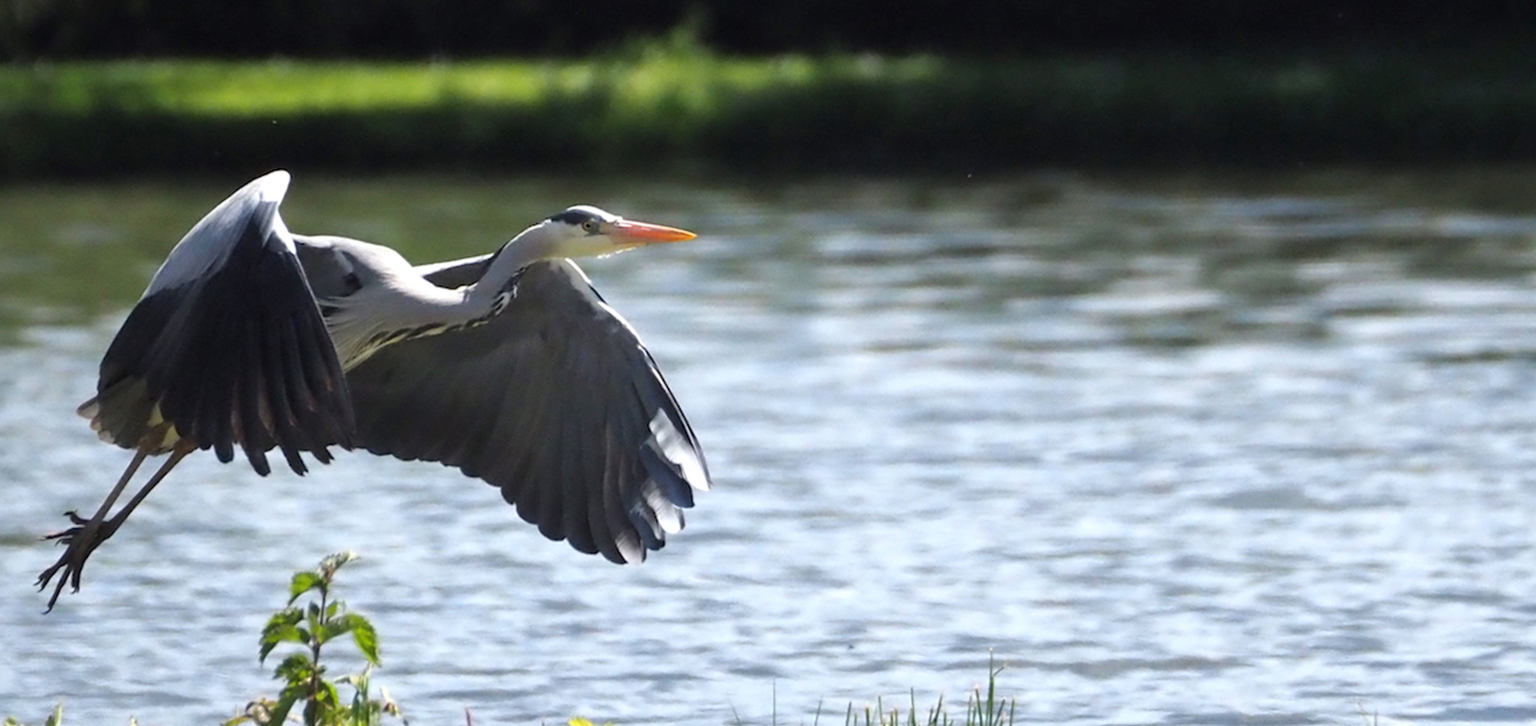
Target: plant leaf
327, 694
279, 713
363, 635
290, 635
56, 719
281, 628
295, 669
324, 632
303, 582
314, 713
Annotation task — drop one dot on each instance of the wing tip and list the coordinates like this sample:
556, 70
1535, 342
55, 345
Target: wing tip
271, 186
678, 450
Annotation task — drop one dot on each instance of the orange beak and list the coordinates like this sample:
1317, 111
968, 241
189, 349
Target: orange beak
644, 233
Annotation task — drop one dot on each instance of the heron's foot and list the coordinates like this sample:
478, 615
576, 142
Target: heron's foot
78, 548
76, 519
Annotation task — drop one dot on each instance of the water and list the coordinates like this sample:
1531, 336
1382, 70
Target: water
1178, 450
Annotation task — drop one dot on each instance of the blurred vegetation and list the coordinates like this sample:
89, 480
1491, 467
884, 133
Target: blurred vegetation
414, 29
55, 718
673, 104
115, 87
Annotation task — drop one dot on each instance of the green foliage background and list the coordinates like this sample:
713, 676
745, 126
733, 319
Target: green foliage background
679, 108
113, 87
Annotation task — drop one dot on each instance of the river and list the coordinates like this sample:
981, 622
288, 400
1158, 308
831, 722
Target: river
1175, 449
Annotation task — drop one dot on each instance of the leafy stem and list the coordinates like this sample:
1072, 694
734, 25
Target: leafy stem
303, 672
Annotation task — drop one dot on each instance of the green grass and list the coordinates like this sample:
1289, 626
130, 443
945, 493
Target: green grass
980, 709
681, 108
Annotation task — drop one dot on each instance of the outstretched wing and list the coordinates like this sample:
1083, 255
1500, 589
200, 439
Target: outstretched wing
228, 346
556, 402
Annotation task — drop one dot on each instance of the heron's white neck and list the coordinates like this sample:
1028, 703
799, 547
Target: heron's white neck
400, 306
538, 242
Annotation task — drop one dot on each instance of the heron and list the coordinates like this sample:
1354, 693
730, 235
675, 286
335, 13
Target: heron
508, 366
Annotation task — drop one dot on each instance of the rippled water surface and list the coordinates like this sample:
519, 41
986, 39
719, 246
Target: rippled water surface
1182, 450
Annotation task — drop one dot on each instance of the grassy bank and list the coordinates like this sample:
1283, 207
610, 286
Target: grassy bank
687, 110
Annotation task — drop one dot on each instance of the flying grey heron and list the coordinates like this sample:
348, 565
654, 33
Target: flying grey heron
508, 366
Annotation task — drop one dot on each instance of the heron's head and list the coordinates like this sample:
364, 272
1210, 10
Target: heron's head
584, 231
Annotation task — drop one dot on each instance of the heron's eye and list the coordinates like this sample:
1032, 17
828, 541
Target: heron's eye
589, 226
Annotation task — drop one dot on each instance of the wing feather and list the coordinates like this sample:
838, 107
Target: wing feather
573, 499
555, 402
228, 345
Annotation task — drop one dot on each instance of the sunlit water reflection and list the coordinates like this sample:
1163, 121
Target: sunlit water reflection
1221, 450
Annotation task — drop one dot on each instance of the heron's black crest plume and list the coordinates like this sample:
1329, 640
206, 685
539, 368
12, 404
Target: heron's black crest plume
574, 216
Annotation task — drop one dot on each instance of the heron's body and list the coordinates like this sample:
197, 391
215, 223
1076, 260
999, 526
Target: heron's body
508, 366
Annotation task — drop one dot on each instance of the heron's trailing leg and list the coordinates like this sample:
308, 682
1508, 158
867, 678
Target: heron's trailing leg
88, 534
74, 557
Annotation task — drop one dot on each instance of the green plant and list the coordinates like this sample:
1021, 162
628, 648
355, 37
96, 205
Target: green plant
54, 719
302, 673
980, 710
